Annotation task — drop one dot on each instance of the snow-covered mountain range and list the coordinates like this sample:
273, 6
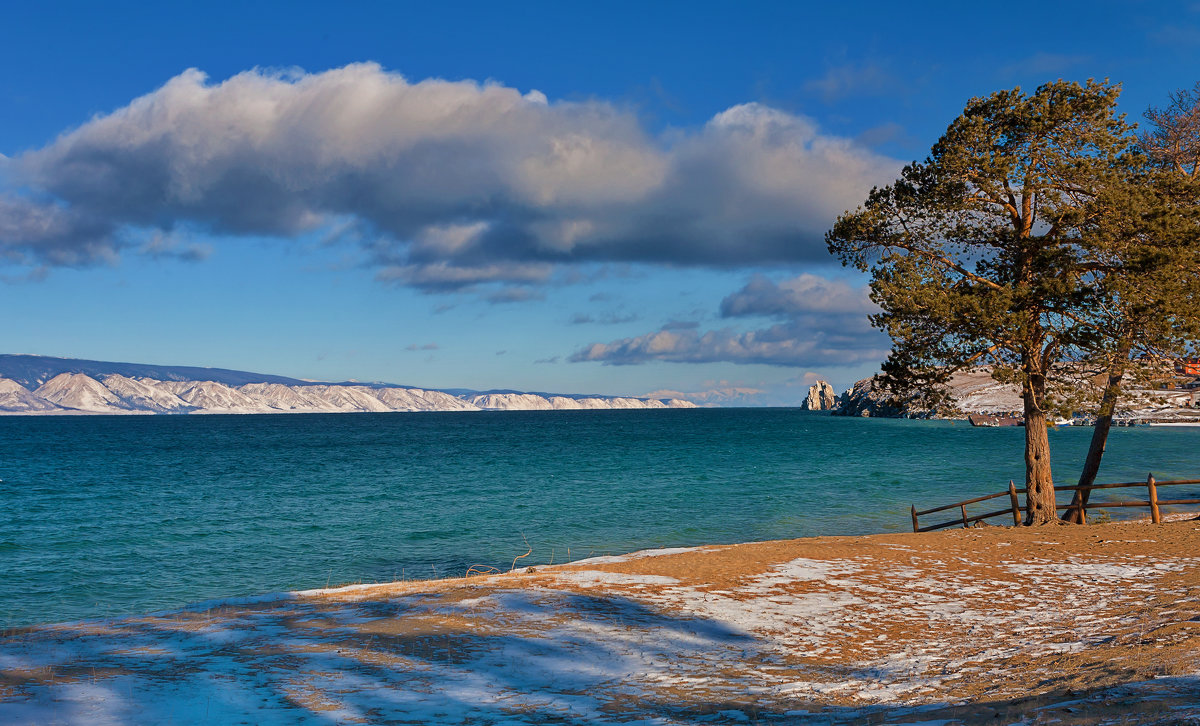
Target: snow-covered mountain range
39, 385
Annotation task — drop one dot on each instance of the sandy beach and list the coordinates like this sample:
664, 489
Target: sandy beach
1057, 624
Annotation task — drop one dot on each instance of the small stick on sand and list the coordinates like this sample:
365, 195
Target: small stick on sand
514, 564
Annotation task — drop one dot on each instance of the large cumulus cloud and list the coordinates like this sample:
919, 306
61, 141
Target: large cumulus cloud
447, 184
819, 322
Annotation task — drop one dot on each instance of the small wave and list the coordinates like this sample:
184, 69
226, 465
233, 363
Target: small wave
421, 535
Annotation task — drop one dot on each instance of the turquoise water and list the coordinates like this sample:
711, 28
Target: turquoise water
109, 515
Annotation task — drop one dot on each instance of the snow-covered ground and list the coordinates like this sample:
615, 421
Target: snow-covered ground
975, 391
1046, 625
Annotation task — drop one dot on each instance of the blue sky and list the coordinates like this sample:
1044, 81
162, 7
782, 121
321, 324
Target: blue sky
618, 198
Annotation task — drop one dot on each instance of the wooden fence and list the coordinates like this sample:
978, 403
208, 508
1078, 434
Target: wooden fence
1014, 508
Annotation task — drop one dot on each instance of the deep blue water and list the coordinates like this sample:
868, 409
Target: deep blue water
105, 515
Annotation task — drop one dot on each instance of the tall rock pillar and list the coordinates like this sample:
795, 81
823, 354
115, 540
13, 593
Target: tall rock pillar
820, 397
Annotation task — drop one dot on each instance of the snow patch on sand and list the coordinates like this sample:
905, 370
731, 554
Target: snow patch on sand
591, 646
591, 578
613, 559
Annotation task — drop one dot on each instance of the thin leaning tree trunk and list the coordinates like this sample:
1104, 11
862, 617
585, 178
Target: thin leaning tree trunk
1104, 417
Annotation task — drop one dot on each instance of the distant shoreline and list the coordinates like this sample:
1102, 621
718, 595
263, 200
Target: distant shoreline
79, 393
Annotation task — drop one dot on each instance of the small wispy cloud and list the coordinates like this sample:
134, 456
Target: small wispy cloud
681, 325
885, 133
805, 293
868, 78
514, 295
821, 322
1044, 64
1176, 36
611, 318
723, 393
164, 245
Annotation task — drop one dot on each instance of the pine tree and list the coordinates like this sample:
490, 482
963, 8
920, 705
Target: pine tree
978, 254
1144, 241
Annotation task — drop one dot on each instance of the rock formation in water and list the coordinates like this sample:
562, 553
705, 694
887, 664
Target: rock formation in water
866, 399
820, 397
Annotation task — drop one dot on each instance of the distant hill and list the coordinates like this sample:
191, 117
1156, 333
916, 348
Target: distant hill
32, 371
39, 385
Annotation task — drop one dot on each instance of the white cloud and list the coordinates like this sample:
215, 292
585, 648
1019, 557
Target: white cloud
440, 275
824, 323
447, 183
854, 79
805, 293
166, 245
727, 394
790, 345
450, 239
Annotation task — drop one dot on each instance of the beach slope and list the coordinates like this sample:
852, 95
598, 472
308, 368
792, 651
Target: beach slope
1056, 624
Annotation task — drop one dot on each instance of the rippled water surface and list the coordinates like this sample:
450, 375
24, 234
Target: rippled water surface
107, 515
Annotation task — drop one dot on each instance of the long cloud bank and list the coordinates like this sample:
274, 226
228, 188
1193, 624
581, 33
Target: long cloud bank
820, 322
444, 184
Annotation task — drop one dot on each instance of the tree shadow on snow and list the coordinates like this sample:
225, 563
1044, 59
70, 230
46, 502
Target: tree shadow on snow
459, 654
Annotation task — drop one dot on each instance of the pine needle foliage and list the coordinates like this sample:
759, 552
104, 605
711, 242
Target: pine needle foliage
1032, 232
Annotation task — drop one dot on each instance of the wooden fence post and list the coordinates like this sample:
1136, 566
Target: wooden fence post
1016, 504
963, 507
914, 516
1155, 517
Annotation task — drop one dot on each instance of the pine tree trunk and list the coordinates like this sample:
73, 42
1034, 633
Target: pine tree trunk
1104, 417
1041, 506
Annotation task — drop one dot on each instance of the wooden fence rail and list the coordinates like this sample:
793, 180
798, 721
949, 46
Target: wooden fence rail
1152, 501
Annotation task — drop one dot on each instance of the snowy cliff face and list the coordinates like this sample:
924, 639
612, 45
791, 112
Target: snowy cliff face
510, 402
975, 391
16, 398
145, 395
972, 391
534, 402
76, 393
416, 399
209, 396
865, 399
820, 397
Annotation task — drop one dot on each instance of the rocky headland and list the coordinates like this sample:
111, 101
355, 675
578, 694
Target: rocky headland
976, 392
